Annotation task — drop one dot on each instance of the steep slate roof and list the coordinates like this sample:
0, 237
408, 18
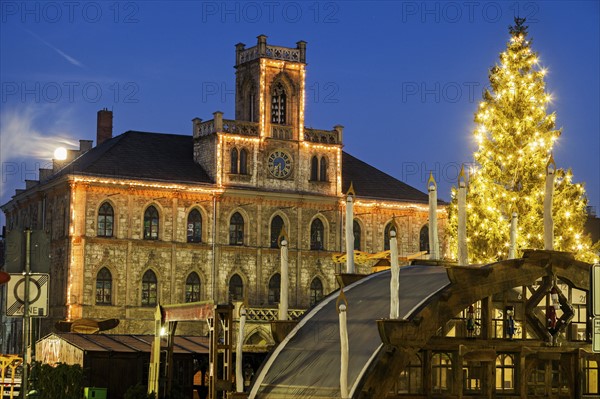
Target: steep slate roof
169, 157
141, 155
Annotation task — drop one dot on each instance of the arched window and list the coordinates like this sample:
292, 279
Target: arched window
357, 232
316, 291
234, 161
236, 288
194, 226
411, 377
105, 220
317, 234
274, 289
424, 239
192, 288
236, 229
386, 235
251, 105
505, 373
104, 287
323, 169
314, 169
441, 373
149, 289
276, 227
243, 161
278, 104
151, 223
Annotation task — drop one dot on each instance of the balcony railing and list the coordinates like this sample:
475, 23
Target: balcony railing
322, 136
218, 124
271, 314
273, 52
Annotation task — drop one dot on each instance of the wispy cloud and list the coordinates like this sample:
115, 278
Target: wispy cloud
21, 138
66, 56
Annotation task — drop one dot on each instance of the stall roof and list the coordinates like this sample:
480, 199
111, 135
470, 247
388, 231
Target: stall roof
131, 343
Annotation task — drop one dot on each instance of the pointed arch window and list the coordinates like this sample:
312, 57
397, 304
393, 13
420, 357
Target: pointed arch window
234, 161
314, 168
192, 288
243, 161
278, 104
357, 234
386, 235
424, 239
236, 229
194, 226
317, 234
274, 289
149, 289
252, 105
276, 227
323, 169
316, 291
105, 220
410, 379
151, 223
104, 287
236, 288
505, 373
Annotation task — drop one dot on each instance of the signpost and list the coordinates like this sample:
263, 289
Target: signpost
595, 300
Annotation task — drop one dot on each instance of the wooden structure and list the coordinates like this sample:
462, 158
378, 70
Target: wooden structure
513, 329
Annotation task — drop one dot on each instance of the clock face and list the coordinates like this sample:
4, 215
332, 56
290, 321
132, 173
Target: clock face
279, 164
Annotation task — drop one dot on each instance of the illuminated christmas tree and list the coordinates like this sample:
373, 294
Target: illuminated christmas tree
515, 134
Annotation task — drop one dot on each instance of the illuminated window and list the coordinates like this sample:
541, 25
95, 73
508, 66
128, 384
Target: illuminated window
323, 169
316, 291
236, 229
317, 235
104, 287
194, 226
424, 239
505, 373
386, 235
276, 228
236, 288
591, 372
149, 289
278, 105
410, 379
314, 169
441, 373
243, 161
274, 289
234, 161
105, 220
151, 223
357, 232
192, 288
472, 377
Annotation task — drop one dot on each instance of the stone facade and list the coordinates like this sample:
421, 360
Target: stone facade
72, 203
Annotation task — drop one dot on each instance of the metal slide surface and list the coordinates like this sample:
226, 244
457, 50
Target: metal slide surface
307, 363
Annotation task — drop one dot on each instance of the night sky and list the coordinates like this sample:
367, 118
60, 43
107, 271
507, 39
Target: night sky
403, 78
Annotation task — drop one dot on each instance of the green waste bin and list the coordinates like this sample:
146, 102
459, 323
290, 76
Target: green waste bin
94, 393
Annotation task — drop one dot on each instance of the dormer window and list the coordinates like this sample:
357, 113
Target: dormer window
278, 105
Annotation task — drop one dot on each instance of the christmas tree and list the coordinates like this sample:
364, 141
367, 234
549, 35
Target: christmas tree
515, 134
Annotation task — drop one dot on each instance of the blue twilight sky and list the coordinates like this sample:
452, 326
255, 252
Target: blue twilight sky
404, 78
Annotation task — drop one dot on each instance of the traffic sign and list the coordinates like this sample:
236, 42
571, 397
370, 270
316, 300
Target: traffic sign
596, 335
38, 295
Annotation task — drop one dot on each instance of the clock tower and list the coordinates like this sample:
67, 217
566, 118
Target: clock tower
267, 146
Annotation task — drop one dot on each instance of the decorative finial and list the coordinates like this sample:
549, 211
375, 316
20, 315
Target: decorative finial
462, 177
551, 165
341, 298
282, 236
351, 191
431, 184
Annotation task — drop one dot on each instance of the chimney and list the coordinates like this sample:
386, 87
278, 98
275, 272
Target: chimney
104, 126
